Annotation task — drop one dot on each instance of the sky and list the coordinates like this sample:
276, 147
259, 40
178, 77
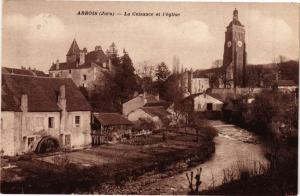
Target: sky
37, 33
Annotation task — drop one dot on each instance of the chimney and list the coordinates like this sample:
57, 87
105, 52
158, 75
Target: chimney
62, 102
81, 57
57, 64
24, 103
109, 64
85, 50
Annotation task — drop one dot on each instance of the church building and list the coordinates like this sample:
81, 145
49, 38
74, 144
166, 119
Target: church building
234, 58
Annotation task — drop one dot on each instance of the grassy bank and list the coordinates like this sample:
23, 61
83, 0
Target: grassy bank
161, 153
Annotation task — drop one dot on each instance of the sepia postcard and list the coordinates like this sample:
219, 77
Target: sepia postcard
149, 98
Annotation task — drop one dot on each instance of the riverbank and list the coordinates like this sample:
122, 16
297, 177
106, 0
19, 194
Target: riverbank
278, 178
108, 169
230, 148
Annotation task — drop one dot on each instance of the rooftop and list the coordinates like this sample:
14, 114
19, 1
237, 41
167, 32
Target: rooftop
42, 94
112, 119
23, 71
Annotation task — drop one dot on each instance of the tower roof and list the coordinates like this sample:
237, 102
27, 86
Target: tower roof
74, 49
235, 19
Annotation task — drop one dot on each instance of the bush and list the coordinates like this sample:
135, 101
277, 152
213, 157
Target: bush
208, 132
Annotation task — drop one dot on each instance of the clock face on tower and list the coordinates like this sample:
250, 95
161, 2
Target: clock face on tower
239, 44
229, 44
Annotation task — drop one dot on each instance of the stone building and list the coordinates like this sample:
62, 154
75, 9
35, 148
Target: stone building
42, 114
193, 83
234, 58
87, 69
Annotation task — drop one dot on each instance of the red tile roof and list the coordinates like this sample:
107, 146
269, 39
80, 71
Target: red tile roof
112, 119
41, 92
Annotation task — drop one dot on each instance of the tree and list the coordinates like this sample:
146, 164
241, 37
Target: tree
147, 85
117, 86
162, 72
126, 78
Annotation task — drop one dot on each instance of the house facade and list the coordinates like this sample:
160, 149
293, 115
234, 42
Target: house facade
36, 111
203, 102
192, 83
86, 69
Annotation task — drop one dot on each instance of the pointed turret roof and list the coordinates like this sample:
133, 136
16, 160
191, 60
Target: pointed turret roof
74, 49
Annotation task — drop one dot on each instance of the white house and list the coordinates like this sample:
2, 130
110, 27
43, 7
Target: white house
158, 115
199, 85
42, 114
203, 102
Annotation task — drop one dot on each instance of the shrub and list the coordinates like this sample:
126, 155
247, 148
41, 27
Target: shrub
208, 132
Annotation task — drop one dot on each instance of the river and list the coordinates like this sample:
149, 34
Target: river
235, 148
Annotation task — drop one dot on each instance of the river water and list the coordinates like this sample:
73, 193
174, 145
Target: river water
235, 148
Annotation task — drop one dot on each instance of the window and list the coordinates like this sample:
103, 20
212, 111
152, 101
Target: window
77, 121
51, 122
30, 141
39, 122
68, 140
209, 106
70, 71
84, 77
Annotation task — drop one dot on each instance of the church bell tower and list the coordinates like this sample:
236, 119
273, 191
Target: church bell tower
234, 58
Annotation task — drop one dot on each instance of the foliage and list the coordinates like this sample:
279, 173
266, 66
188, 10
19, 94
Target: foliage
265, 75
162, 72
146, 124
118, 87
269, 107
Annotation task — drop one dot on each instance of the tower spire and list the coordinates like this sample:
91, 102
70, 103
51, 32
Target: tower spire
235, 14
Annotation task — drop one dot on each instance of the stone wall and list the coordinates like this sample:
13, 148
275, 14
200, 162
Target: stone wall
90, 78
20, 127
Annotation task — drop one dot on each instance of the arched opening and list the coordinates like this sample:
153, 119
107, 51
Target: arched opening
47, 144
